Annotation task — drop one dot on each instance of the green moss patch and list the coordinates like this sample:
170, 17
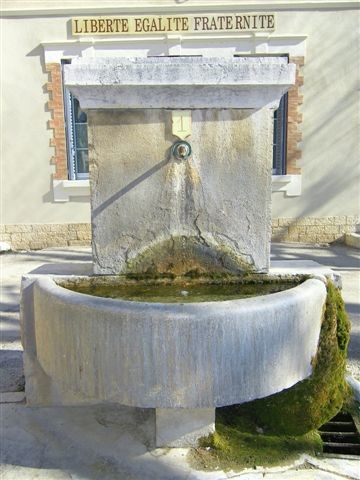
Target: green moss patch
314, 401
237, 446
188, 255
275, 429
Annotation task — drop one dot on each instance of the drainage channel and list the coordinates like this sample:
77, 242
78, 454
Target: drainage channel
340, 435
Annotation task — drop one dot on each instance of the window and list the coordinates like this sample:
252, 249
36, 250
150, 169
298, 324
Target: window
279, 139
76, 137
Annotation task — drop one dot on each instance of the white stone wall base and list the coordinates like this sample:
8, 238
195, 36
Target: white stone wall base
353, 240
182, 427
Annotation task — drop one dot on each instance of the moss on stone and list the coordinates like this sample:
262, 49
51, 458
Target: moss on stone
150, 276
241, 444
188, 255
274, 429
314, 401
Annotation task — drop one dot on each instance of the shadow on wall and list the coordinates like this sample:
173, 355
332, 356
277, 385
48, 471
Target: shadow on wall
129, 187
330, 138
328, 132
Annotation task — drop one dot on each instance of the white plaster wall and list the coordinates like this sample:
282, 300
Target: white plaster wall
26, 195
330, 145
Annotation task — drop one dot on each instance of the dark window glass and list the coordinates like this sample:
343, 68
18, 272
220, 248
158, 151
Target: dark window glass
279, 139
76, 136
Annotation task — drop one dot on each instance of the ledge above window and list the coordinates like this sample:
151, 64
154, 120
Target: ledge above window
65, 189
290, 184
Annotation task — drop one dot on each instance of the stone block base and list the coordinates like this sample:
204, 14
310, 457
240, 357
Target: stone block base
303, 230
182, 427
353, 240
36, 236
313, 229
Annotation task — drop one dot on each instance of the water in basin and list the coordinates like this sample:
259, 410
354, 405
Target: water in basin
183, 291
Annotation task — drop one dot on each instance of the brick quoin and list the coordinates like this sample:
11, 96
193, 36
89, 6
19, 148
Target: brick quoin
294, 135
57, 123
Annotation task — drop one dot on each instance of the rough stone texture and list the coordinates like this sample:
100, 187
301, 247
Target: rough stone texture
182, 427
153, 213
11, 366
313, 229
170, 82
12, 397
82, 350
45, 235
353, 240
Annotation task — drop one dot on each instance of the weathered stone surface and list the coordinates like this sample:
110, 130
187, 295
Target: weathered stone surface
170, 82
62, 234
153, 213
310, 229
11, 367
85, 350
37, 236
353, 240
182, 427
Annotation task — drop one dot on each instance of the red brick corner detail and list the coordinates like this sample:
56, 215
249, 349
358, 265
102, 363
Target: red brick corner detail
57, 122
294, 135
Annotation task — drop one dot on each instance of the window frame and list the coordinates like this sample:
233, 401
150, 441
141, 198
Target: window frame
280, 137
70, 133
291, 45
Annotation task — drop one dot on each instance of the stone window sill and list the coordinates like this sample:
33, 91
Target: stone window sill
64, 190
289, 184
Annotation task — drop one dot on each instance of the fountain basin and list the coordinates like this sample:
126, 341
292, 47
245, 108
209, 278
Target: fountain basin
155, 214
81, 349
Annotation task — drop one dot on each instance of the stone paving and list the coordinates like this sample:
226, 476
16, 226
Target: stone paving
110, 442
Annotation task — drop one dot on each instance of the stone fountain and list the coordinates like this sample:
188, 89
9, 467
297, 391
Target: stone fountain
180, 173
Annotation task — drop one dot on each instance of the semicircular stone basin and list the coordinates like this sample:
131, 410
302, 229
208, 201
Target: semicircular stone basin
82, 349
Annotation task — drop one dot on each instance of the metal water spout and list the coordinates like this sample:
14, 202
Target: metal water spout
181, 150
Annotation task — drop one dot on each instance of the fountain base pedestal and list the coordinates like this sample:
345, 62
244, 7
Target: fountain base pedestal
182, 427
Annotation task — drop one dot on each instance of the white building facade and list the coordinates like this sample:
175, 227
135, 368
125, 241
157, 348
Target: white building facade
45, 189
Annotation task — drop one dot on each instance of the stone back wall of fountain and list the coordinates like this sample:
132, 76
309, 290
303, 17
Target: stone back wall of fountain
152, 213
